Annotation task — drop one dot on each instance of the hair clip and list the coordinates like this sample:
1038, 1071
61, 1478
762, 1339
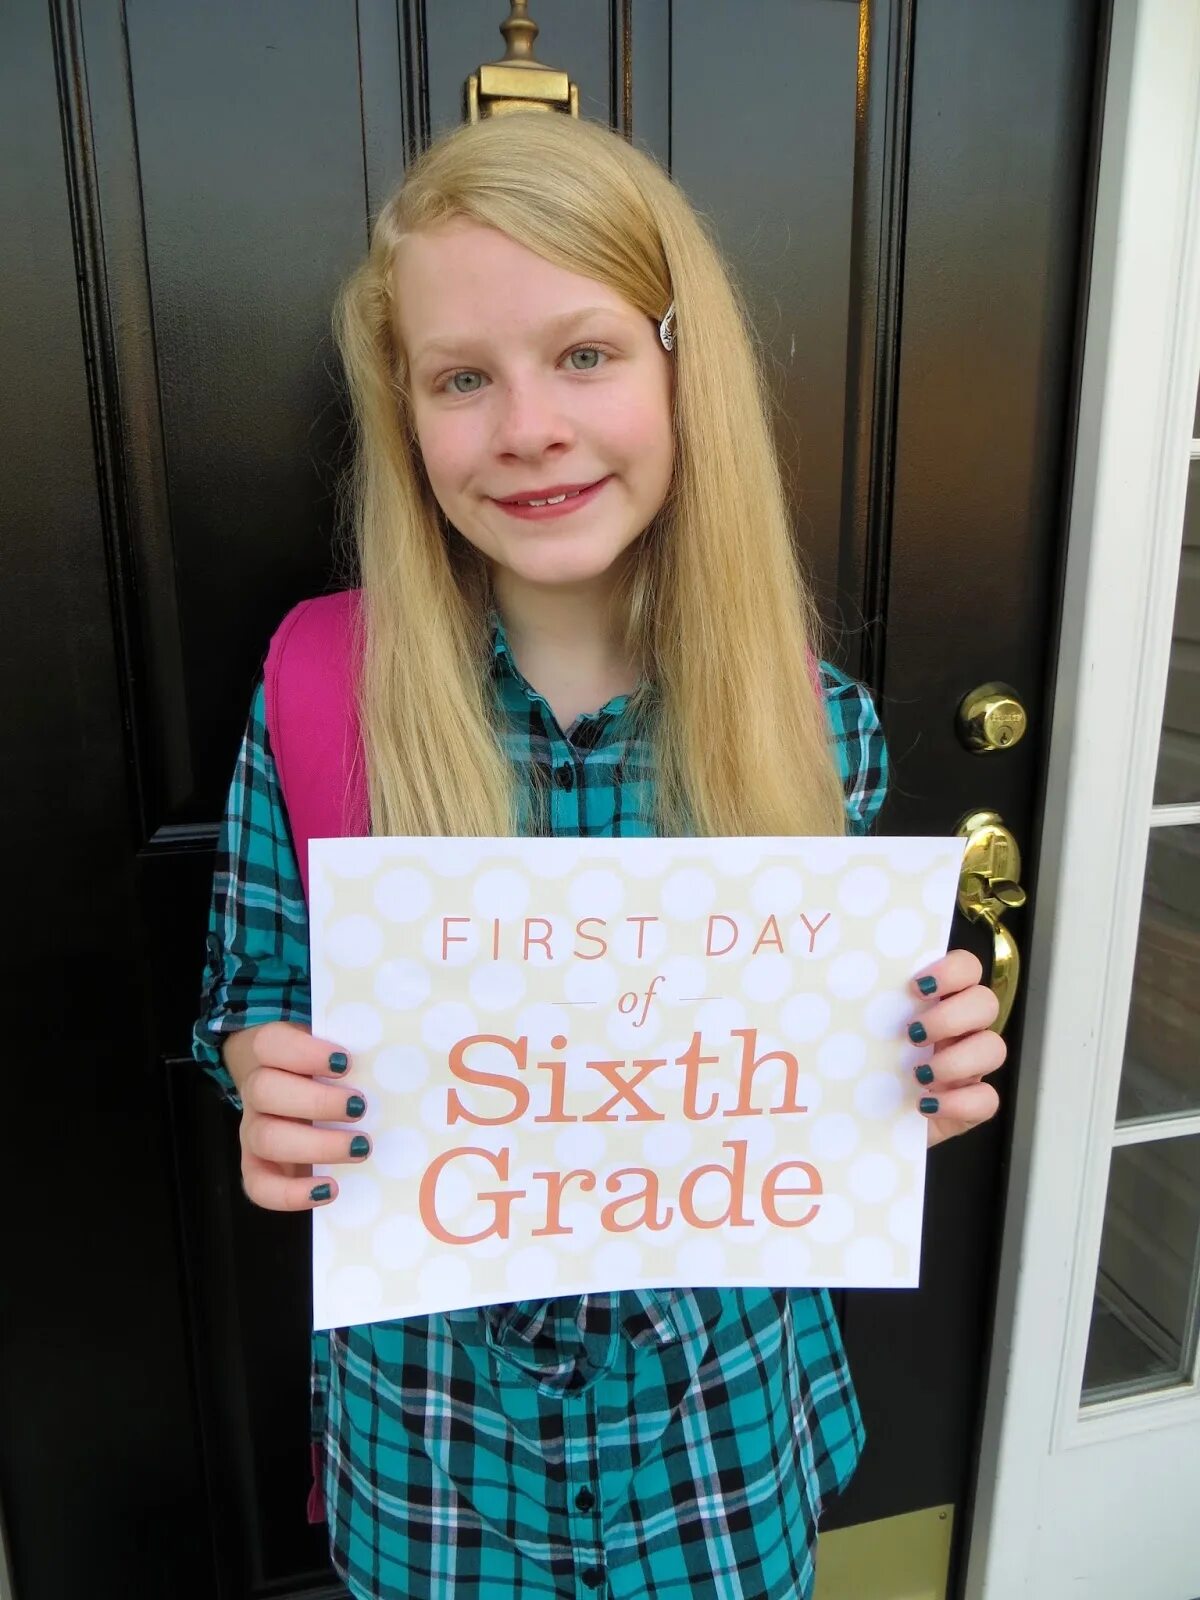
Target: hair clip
666, 328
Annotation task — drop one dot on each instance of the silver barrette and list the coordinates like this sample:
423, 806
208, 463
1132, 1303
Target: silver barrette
666, 328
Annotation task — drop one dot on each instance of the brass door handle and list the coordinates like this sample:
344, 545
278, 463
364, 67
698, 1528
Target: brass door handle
988, 886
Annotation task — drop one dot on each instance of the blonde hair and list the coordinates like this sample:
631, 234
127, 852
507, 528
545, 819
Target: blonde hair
718, 616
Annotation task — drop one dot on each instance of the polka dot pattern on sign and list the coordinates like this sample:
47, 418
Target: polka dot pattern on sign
528, 1020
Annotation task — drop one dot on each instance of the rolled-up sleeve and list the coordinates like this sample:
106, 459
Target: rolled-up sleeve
256, 968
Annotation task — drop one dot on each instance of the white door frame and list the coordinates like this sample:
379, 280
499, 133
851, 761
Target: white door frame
1102, 1502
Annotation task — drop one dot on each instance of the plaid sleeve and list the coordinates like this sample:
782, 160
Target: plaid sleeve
257, 945
860, 747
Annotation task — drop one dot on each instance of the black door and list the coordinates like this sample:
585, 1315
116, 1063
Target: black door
904, 195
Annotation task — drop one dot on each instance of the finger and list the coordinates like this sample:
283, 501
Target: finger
268, 1186
958, 969
963, 1061
276, 1093
288, 1047
276, 1139
967, 1012
959, 1110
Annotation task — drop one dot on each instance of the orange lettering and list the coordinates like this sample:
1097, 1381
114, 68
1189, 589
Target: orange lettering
749, 1038
594, 937
641, 922
456, 1111
719, 916
737, 1189
813, 931
771, 1192
504, 1198
542, 939
691, 1060
646, 1197
625, 1091
558, 1084
556, 1182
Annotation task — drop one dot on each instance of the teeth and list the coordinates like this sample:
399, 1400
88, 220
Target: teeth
554, 500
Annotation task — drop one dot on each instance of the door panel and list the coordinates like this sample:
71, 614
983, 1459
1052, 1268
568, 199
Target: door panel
998, 173
100, 1470
902, 204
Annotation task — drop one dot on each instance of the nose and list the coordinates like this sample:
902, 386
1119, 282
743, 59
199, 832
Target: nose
530, 422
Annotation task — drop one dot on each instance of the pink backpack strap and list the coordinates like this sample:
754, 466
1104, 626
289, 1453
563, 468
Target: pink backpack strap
814, 673
311, 684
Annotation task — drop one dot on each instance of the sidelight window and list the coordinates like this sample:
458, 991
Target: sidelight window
1146, 1307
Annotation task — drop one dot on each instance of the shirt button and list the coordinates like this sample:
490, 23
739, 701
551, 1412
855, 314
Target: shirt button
585, 1500
564, 776
593, 1576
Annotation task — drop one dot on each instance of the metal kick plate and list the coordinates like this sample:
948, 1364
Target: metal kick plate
896, 1558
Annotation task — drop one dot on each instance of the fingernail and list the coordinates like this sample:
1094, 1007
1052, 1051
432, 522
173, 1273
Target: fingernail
355, 1106
929, 1106
916, 1032
322, 1192
339, 1061
927, 985
924, 1074
359, 1145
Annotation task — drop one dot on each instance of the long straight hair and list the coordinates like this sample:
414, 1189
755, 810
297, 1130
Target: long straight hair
717, 615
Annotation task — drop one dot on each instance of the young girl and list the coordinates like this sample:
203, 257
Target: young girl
580, 614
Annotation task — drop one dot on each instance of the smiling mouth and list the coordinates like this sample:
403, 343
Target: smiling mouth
553, 497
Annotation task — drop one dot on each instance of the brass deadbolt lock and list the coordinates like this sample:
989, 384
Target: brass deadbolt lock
991, 718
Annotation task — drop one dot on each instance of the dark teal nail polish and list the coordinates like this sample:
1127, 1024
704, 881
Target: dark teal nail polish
916, 1032
321, 1192
924, 1074
339, 1061
355, 1106
359, 1145
927, 985
929, 1106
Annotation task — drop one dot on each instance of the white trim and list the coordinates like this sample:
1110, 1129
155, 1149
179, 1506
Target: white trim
1170, 189
1174, 816
1154, 1129
1132, 452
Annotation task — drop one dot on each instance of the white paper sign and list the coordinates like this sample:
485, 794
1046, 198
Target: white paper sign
617, 1064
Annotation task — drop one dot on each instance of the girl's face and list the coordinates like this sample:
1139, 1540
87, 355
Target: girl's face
529, 384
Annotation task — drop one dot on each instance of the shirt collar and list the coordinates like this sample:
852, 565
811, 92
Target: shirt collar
504, 665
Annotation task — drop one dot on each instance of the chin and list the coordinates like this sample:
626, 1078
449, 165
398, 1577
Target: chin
556, 568
562, 574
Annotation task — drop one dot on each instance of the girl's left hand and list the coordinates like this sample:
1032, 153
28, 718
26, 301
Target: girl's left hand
962, 1047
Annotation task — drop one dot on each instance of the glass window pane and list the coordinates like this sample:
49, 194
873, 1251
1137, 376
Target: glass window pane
1161, 1073
1144, 1315
1178, 775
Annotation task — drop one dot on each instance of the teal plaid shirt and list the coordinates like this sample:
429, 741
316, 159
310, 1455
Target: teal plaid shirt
674, 1443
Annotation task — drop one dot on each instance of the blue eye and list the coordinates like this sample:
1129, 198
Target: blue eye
586, 359
465, 382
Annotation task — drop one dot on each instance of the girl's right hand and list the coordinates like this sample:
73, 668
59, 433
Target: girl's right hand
276, 1067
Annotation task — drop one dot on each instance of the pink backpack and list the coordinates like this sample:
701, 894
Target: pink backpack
312, 722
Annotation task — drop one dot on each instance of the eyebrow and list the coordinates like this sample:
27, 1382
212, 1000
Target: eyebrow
559, 326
